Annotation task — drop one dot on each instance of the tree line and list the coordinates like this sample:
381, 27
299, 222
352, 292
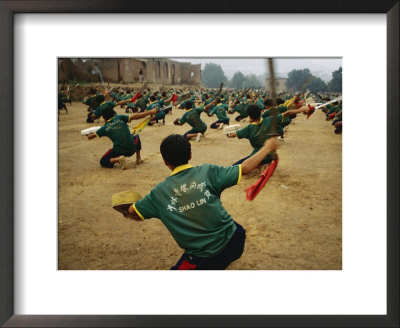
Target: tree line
212, 75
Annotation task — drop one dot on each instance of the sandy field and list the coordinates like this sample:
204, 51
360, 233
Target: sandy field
295, 222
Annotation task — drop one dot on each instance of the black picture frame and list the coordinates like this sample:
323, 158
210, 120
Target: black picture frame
7, 11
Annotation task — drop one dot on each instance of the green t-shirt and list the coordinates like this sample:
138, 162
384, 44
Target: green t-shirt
241, 109
118, 131
99, 110
257, 133
152, 105
220, 111
188, 204
191, 99
192, 117
260, 104
94, 101
160, 114
142, 102
281, 109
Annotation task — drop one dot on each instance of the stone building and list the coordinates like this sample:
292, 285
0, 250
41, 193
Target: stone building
126, 70
280, 85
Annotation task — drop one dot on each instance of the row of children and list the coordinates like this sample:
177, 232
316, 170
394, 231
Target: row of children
333, 110
210, 102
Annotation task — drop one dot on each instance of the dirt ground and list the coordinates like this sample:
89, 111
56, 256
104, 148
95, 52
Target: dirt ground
295, 222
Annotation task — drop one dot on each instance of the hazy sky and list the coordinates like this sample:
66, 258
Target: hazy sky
321, 67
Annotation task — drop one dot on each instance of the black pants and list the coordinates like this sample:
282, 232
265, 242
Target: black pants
232, 251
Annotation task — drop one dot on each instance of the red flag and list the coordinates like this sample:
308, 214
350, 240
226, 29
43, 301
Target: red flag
135, 96
330, 116
174, 98
254, 189
310, 111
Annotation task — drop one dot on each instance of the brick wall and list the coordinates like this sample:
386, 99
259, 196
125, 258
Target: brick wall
155, 70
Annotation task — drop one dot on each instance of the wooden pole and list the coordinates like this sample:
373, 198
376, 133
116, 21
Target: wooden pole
273, 98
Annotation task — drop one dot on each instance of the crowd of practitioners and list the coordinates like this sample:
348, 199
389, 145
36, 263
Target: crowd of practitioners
188, 201
267, 117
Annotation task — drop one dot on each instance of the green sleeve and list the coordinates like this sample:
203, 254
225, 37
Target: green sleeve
124, 118
147, 207
182, 119
98, 111
267, 113
213, 110
225, 177
101, 132
243, 133
99, 98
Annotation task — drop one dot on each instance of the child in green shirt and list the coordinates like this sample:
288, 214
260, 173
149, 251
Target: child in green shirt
192, 117
259, 130
188, 204
220, 110
124, 143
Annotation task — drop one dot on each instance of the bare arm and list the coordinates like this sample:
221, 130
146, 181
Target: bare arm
210, 104
137, 116
303, 109
91, 136
251, 163
122, 102
169, 99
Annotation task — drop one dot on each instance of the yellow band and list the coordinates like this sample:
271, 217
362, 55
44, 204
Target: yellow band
138, 213
240, 173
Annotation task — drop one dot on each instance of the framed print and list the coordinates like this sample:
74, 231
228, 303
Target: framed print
35, 292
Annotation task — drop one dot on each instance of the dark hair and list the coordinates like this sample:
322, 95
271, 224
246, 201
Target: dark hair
188, 105
268, 102
164, 94
108, 113
175, 150
152, 98
254, 112
92, 91
279, 101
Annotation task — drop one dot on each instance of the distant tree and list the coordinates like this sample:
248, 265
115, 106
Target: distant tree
297, 79
335, 85
237, 80
317, 85
212, 75
251, 81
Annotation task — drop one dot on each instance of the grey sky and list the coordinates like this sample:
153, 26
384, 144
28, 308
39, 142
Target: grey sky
321, 67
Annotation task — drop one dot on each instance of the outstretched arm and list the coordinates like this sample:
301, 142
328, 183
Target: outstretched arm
122, 102
252, 162
137, 116
211, 104
303, 109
